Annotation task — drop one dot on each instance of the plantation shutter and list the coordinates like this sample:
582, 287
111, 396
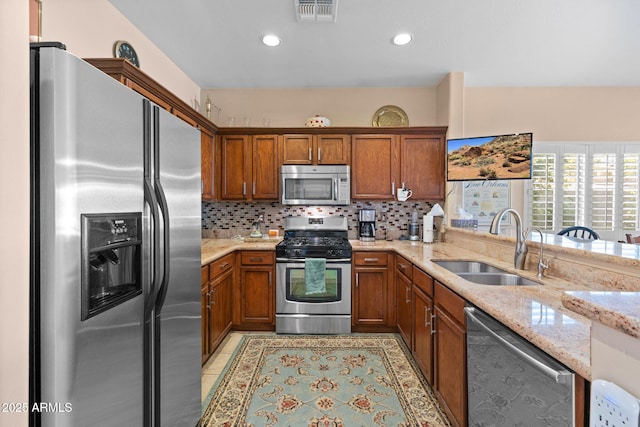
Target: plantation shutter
596, 185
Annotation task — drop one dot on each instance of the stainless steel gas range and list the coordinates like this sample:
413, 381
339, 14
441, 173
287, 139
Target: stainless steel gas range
313, 277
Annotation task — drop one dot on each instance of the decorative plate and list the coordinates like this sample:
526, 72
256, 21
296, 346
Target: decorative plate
389, 116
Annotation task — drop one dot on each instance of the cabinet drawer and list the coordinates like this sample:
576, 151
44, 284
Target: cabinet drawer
370, 258
220, 266
423, 281
257, 257
450, 302
404, 267
204, 274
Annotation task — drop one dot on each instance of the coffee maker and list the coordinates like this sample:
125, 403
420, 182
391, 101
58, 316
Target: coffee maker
367, 225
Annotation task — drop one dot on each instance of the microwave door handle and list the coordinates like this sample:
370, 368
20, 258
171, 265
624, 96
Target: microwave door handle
335, 189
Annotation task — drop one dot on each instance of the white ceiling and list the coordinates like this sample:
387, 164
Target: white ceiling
494, 42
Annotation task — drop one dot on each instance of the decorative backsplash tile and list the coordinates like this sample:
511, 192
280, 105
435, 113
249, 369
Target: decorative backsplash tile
227, 219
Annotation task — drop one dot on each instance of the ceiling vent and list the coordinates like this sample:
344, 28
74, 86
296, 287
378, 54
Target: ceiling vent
316, 10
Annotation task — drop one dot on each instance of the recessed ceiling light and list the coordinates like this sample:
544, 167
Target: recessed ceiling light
402, 39
271, 40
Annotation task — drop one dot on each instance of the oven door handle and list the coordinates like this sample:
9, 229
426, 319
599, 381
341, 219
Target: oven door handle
301, 260
560, 377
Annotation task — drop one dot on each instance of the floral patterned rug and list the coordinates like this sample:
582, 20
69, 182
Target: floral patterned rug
321, 380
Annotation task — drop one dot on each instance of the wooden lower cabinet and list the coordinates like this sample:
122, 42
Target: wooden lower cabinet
255, 294
403, 299
423, 322
370, 294
216, 287
449, 354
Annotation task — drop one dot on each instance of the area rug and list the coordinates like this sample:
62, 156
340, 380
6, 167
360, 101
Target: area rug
329, 381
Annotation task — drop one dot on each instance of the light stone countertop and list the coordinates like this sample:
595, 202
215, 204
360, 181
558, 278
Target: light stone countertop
615, 309
534, 312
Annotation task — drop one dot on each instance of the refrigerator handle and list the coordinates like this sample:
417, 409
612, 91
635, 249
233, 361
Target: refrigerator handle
164, 207
150, 199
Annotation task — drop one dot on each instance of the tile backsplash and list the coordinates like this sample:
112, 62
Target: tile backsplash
228, 219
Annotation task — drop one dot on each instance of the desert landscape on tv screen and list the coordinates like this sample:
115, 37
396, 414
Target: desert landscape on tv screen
495, 157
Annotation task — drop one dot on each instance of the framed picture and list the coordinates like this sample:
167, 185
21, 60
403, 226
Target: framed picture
483, 199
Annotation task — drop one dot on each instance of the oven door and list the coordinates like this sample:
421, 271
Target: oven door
293, 298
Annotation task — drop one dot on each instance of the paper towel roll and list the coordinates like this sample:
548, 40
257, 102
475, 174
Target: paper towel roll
427, 228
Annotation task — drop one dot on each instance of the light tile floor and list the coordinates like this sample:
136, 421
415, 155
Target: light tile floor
218, 360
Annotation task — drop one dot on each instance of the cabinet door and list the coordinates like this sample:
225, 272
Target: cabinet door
423, 166
370, 296
333, 149
374, 160
220, 304
297, 150
422, 336
256, 305
206, 171
235, 168
264, 184
403, 307
205, 310
450, 367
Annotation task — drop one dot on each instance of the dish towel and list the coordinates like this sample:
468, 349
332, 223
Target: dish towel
315, 275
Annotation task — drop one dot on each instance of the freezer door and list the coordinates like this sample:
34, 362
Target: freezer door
90, 161
179, 315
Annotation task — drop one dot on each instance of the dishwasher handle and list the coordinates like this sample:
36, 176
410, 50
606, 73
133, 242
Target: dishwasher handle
560, 377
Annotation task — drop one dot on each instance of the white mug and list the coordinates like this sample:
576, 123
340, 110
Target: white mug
404, 194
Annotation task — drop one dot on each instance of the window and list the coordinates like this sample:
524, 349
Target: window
595, 185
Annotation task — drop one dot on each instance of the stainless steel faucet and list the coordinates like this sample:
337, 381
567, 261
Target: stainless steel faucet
521, 240
541, 265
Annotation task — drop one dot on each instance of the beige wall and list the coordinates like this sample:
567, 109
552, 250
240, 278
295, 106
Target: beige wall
90, 28
14, 210
343, 106
615, 357
555, 114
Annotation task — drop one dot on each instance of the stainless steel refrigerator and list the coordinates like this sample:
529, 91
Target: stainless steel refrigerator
115, 252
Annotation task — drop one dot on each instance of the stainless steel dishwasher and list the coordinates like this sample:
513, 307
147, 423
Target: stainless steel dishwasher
510, 381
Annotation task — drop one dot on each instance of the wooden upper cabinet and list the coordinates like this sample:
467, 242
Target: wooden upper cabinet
333, 149
235, 170
206, 165
374, 171
307, 149
249, 168
265, 175
422, 166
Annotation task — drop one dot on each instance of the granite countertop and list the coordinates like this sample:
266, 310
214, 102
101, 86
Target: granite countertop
535, 312
616, 309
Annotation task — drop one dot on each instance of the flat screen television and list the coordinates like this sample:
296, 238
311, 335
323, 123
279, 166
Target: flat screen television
489, 157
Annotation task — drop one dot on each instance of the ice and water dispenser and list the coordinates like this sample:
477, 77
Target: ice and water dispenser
111, 260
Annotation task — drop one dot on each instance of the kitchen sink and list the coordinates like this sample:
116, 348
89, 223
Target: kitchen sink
468, 267
497, 279
484, 274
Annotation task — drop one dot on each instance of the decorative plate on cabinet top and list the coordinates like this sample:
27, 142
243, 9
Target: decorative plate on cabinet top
389, 116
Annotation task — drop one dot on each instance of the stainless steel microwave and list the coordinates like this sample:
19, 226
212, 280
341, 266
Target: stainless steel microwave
316, 185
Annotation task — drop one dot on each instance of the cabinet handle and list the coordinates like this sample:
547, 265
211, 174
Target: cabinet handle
407, 297
319, 153
214, 296
202, 186
433, 324
426, 316
310, 154
402, 267
223, 266
256, 259
209, 300
254, 188
393, 188
371, 260
357, 277
244, 188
